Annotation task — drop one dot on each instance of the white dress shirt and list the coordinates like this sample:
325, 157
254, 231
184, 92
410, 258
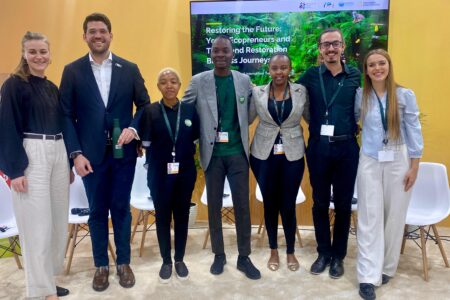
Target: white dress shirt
102, 73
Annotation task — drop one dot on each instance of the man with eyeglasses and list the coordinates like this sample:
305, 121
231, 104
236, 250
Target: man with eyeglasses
332, 152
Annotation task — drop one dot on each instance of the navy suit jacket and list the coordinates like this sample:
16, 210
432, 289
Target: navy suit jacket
87, 120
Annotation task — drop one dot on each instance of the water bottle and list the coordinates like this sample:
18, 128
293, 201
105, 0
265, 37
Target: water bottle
117, 149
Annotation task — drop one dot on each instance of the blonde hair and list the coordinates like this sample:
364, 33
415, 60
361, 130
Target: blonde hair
169, 70
23, 70
393, 116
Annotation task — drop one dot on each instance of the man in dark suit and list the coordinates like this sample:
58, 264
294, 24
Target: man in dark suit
96, 89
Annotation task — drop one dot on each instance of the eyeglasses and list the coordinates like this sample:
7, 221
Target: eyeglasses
326, 45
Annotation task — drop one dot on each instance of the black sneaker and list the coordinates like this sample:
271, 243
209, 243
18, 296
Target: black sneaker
336, 268
367, 291
61, 292
217, 266
385, 279
181, 270
321, 263
244, 264
165, 273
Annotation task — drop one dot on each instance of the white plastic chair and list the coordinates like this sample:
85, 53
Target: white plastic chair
300, 199
141, 200
354, 211
430, 204
78, 199
227, 206
8, 219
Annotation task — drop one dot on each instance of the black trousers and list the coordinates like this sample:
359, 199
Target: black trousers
235, 168
172, 197
336, 164
279, 181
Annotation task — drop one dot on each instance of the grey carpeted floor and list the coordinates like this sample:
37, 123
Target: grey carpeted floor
232, 284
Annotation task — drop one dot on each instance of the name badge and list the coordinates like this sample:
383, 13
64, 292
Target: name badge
327, 130
385, 155
222, 137
173, 168
278, 149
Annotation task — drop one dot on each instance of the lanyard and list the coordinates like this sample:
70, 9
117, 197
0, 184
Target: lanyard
173, 137
383, 116
279, 116
324, 95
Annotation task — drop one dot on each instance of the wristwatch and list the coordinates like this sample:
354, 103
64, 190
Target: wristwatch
75, 154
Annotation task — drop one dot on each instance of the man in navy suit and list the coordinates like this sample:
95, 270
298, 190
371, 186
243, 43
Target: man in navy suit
96, 89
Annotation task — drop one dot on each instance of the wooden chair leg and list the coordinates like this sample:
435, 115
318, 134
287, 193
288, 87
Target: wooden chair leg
69, 236
72, 248
12, 242
263, 235
261, 222
355, 222
332, 225
111, 250
404, 239
441, 248
424, 252
136, 225
205, 242
299, 237
144, 233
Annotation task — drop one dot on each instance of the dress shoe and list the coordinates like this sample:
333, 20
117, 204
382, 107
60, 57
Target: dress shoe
385, 279
100, 282
336, 268
61, 292
367, 291
217, 266
181, 270
244, 264
126, 276
165, 273
321, 263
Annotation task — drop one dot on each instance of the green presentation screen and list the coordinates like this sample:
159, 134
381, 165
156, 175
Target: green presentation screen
260, 28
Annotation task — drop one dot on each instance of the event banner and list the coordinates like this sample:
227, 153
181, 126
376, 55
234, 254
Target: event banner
258, 29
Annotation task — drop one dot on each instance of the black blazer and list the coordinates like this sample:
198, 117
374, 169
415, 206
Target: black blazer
87, 120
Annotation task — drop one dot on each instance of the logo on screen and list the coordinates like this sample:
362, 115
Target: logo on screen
328, 4
302, 5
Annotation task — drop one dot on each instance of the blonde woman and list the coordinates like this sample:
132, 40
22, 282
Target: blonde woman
34, 156
392, 145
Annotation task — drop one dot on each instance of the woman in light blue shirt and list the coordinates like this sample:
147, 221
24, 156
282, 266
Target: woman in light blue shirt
391, 148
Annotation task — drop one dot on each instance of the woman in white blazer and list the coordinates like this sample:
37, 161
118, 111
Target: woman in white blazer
277, 152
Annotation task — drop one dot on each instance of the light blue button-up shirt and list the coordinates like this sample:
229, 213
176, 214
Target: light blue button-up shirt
373, 132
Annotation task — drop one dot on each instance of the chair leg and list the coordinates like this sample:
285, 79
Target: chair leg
261, 223
111, 250
136, 225
205, 242
72, 248
144, 233
332, 225
355, 222
424, 253
12, 242
263, 235
441, 248
299, 237
404, 239
69, 236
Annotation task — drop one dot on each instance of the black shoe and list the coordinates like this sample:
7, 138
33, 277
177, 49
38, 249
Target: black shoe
336, 268
244, 264
165, 273
61, 292
385, 278
367, 291
321, 263
181, 270
217, 266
